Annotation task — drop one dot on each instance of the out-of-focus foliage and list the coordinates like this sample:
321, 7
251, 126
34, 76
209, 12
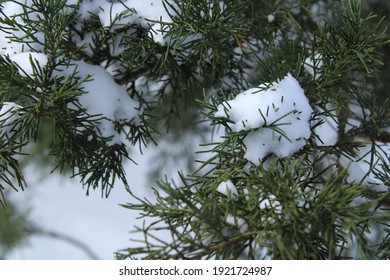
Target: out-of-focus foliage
12, 231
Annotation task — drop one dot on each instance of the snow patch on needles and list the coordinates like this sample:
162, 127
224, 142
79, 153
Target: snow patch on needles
104, 97
8, 115
10, 40
227, 188
276, 118
313, 65
327, 131
149, 14
240, 223
29, 63
371, 161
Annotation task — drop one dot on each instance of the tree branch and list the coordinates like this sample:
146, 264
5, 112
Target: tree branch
223, 244
69, 239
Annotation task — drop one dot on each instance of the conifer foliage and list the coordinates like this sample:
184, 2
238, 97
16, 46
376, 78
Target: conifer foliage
294, 94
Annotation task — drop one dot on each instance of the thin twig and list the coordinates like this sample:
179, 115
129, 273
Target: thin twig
223, 244
52, 234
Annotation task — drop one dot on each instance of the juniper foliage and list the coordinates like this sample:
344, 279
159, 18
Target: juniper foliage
303, 206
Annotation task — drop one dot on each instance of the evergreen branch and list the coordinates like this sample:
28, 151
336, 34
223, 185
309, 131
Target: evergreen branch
382, 198
34, 230
223, 244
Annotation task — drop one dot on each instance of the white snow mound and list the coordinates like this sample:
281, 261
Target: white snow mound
277, 118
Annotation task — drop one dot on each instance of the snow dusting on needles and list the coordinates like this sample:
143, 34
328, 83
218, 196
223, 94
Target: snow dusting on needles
277, 118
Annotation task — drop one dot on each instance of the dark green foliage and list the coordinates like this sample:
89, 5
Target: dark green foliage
303, 206
300, 207
280, 212
52, 100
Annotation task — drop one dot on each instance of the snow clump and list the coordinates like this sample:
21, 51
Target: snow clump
227, 188
276, 117
104, 97
148, 14
270, 18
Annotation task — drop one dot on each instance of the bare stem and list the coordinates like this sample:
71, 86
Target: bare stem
69, 239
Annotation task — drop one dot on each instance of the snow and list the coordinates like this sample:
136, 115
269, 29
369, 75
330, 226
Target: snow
118, 13
59, 204
270, 202
276, 118
227, 188
103, 96
362, 168
8, 45
149, 14
313, 65
270, 18
157, 33
87, 43
29, 64
7, 117
238, 222
327, 132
